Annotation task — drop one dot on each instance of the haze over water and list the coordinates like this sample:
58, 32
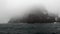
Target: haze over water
11, 8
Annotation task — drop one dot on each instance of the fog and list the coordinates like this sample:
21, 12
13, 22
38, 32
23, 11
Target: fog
10, 8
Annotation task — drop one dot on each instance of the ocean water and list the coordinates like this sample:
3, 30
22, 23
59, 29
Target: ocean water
24, 28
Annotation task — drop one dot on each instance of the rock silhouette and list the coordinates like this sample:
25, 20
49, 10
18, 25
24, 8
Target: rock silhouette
36, 16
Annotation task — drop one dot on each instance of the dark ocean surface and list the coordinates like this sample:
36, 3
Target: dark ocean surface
45, 28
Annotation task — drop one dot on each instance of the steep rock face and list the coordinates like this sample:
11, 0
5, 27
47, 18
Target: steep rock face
35, 16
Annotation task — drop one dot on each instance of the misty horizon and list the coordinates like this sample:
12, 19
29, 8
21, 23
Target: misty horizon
10, 8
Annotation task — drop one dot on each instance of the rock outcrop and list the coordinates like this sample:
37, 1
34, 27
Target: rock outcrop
35, 16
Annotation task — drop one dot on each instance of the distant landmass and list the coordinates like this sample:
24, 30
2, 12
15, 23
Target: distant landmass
36, 15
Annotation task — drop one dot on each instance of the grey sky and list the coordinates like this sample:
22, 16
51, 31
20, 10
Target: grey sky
11, 8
